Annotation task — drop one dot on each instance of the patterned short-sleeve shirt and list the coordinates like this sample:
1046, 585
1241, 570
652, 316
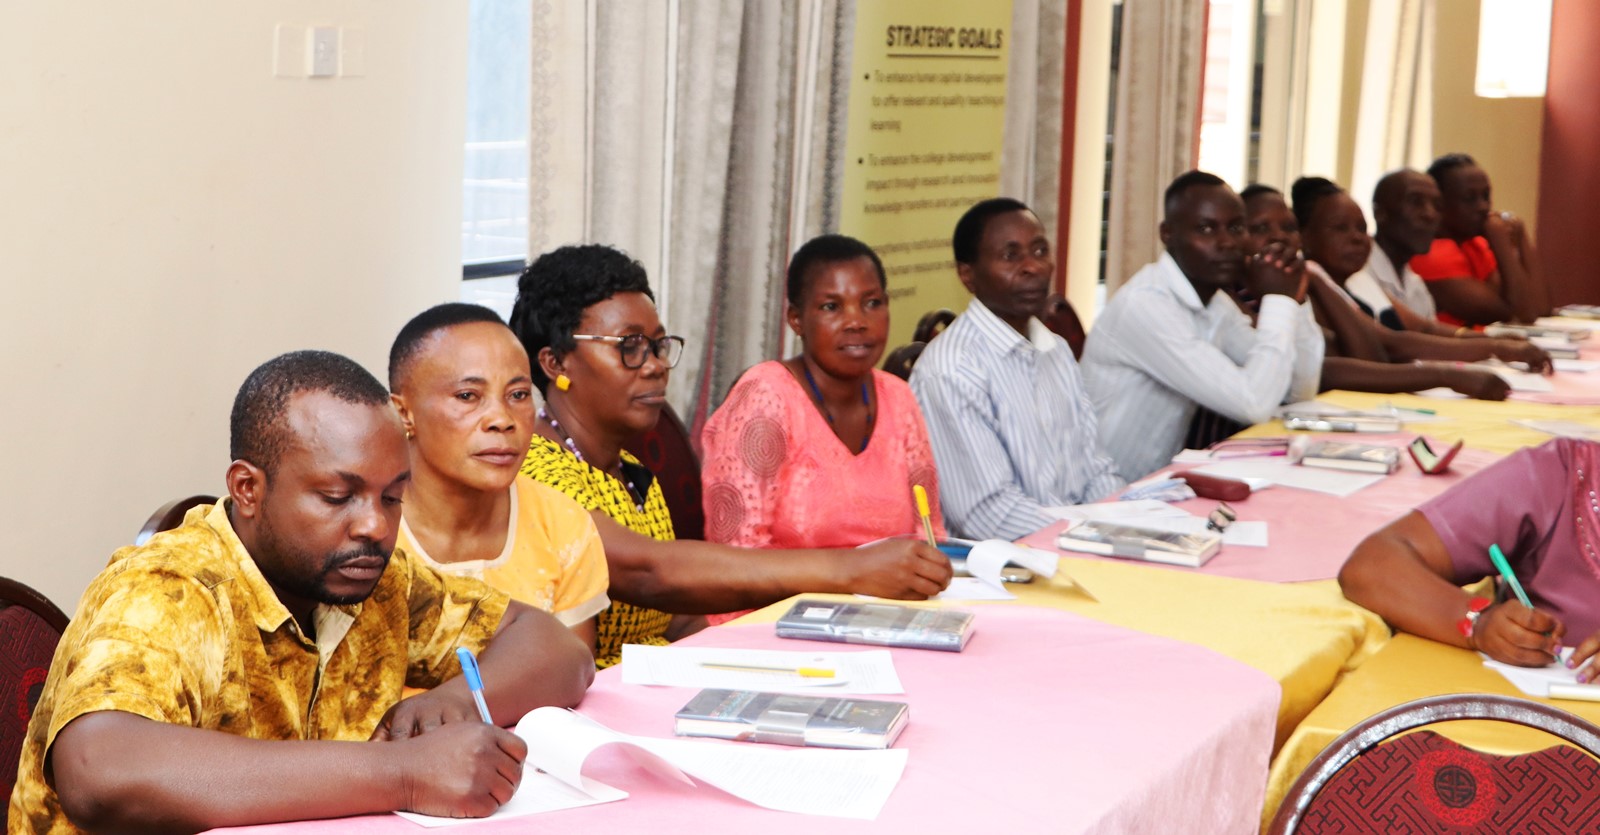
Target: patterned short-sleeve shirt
185, 629
620, 623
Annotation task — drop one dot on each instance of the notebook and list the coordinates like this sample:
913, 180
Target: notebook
785, 719
879, 624
1141, 543
1360, 458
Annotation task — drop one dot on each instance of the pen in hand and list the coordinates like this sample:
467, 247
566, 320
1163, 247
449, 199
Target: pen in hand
925, 512
1502, 565
469, 668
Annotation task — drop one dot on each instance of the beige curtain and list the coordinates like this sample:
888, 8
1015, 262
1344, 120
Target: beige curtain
1030, 160
1154, 125
667, 129
706, 138
1394, 124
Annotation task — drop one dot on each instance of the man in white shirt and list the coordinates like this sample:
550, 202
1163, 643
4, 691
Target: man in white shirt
1169, 341
1012, 429
1405, 206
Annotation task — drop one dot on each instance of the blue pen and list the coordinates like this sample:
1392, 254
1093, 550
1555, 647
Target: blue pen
1504, 567
469, 668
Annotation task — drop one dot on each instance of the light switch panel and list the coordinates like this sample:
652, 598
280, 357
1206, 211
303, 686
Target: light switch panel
324, 51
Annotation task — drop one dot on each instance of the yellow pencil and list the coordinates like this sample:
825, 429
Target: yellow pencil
925, 512
803, 672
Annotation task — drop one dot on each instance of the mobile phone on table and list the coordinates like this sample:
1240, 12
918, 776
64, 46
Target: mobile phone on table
1016, 574
957, 550
1429, 461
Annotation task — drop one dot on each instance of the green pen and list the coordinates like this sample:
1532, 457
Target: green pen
1398, 409
1504, 567
1500, 564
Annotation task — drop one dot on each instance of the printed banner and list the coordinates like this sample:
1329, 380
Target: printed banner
926, 122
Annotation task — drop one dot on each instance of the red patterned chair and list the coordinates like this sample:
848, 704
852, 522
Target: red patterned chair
900, 360
932, 324
1063, 320
169, 516
666, 450
30, 628
1372, 779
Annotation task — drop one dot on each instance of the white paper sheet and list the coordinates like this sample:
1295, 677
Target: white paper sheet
972, 588
1552, 681
1413, 415
1565, 323
812, 781
1278, 471
848, 784
1130, 512
1575, 366
865, 672
990, 556
1517, 380
1562, 428
538, 792
1321, 408
1551, 343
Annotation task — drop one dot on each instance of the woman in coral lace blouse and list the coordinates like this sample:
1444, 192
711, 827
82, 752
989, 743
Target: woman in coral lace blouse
822, 449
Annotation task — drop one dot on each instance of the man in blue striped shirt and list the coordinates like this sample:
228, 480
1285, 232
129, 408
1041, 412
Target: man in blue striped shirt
1012, 428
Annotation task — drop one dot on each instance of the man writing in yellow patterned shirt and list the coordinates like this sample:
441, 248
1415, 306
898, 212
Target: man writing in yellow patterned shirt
233, 670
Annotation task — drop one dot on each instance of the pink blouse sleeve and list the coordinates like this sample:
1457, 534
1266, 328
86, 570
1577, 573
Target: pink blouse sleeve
745, 445
918, 451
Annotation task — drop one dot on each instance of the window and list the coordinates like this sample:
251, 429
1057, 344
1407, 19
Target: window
1229, 101
494, 216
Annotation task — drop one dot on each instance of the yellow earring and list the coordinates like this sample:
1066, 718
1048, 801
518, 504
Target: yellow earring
563, 382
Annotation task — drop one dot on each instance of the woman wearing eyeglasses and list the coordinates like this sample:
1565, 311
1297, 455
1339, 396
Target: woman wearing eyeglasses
802, 445
601, 356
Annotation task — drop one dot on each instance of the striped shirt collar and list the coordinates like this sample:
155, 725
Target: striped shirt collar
1004, 338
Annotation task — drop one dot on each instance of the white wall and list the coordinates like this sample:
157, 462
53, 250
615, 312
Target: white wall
171, 215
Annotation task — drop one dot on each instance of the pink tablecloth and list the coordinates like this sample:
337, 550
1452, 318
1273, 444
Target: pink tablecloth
1310, 535
1048, 722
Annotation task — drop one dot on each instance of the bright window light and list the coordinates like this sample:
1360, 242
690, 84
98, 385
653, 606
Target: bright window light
1513, 48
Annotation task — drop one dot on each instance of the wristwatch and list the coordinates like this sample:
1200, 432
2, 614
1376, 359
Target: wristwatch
1469, 621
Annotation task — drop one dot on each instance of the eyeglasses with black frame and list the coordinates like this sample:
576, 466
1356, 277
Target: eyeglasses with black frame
668, 349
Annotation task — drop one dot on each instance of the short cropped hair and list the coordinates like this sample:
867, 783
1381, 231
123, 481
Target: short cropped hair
436, 318
1306, 193
554, 291
826, 249
257, 430
1255, 190
969, 229
1181, 185
1447, 163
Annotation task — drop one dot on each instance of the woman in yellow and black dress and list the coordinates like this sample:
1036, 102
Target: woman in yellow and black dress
601, 358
